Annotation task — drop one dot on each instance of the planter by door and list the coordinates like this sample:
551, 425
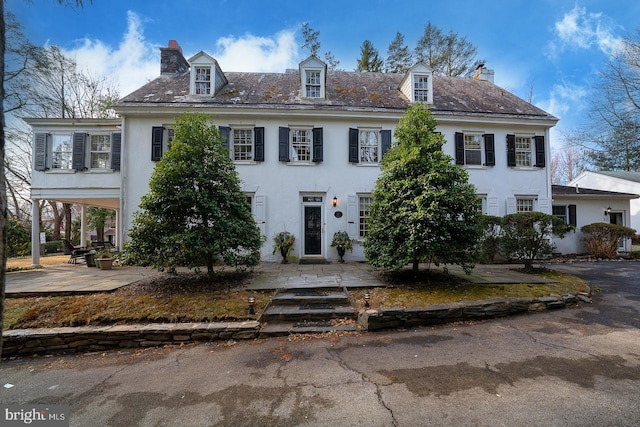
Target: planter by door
341, 252
105, 263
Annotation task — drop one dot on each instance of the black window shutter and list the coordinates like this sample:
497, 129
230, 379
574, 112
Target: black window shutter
489, 150
258, 144
385, 135
40, 152
157, 133
540, 157
78, 153
283, 144
317, 145
353, 145
459, 138
573, 219
511, 150
225, 133
116, 144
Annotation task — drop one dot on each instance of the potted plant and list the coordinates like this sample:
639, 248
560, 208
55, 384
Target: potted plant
283, 242
104, 260
341, 242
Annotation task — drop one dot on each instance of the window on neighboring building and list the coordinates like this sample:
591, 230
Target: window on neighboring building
523, 151
472, 149
421, 88
242, 144
364, 211
203, 80
524, 205
560, 212
301, 140
313, 84
369, 146
100, 151
62, 150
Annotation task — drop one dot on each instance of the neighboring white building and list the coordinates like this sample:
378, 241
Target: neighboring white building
579, 206
621, 181
307, 143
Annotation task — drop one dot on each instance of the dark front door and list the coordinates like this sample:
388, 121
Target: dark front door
313, 230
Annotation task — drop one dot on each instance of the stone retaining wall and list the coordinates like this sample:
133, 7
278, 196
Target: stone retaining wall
473, 310
24, 342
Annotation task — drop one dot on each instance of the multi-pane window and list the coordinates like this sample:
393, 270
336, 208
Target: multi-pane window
421, 88
482, 203
364, 211
100, 151
369, 146
524, 205
62, 149
203, 80
560, 212
242, 144
301, 145
472, 149
523, 151
313, 84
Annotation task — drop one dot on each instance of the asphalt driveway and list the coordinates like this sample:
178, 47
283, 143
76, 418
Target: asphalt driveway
573, 367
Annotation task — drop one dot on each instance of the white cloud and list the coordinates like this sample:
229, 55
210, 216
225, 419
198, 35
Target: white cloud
252, 53
128, 66
565, 98
583, 30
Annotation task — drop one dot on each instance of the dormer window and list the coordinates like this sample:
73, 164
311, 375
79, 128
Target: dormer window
421, 88
313, 78
206, 76
313, 86
203, 80
417, 84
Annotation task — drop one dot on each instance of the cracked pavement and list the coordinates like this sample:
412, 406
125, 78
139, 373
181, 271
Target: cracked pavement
578, 366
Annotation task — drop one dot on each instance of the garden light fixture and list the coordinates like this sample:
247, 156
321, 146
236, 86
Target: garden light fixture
367, 298
252, 303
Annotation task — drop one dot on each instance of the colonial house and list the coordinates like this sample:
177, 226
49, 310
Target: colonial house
306, 143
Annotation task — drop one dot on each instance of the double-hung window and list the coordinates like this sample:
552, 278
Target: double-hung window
421, 88
560, 212
471, 147
100, 151
524, 205
301, 140
523, 151
242, 144
62, 150
369, 146
203, 80
313, 84
364, 212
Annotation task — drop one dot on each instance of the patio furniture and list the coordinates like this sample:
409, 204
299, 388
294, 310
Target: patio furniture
76, 252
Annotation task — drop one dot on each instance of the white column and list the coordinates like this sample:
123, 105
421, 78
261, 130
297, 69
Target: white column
83, 225
116, 237
35, 233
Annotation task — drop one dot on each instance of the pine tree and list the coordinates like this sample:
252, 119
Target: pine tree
446, 55
399, 58
369, 60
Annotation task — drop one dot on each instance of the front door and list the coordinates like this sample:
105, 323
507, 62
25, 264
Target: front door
616, 219
312, 226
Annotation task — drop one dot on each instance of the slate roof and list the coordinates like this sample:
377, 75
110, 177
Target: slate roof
567, 190
344, 90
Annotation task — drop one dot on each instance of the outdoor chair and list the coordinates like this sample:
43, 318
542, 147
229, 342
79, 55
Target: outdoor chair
76, 253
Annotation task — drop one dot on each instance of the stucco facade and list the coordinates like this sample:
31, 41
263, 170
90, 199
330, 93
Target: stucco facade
305, 139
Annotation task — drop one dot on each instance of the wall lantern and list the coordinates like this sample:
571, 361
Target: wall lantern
607, 211
334, 201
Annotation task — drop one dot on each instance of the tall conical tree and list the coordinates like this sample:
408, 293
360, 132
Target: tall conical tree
424, 209
369, 58
399, 58
195, 212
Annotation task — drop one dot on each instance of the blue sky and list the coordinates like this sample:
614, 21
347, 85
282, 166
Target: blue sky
550, 49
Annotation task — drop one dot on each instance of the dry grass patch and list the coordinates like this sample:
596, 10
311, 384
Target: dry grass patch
24, 262
431, 288
183, 298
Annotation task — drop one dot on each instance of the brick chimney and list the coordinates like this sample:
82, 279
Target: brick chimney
482, 73
171, 59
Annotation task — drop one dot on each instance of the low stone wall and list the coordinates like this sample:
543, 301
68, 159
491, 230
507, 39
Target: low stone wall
473, 310
25, 342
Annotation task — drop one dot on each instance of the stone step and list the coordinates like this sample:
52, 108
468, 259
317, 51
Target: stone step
306, 327
310, 311
334, 296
